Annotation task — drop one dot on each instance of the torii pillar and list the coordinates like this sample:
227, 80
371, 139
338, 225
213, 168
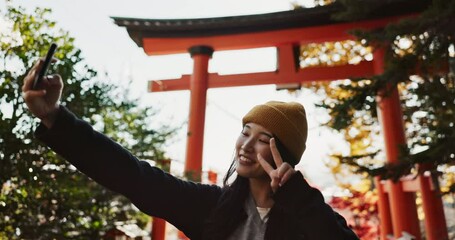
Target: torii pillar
435, 221
397, 207
403, 207
198, 100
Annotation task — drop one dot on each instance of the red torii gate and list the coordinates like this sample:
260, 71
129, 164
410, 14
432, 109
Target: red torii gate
287, 31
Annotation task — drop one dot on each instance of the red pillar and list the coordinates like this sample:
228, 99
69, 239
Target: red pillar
198, 98
212, 177
384, 210
158, 224
158, 229
435, 221
402, 204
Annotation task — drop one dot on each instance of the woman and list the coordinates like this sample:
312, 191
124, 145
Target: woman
267, 200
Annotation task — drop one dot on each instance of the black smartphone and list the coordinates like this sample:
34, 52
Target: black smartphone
45, 67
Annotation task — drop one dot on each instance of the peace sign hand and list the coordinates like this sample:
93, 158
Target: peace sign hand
283, 171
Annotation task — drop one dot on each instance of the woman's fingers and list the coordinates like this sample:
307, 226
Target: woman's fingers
277, 176
282, 173
275, 184
267, 167
286, 175
33, 94
54, 80
30, 77
273, 173
282, 170
275, 153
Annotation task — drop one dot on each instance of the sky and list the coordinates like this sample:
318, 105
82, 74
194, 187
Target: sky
107, 48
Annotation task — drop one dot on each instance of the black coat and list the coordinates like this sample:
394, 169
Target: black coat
186, 205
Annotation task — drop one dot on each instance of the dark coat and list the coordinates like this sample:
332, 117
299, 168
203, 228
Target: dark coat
184, 204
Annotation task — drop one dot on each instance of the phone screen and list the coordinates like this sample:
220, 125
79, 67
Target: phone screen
47, 62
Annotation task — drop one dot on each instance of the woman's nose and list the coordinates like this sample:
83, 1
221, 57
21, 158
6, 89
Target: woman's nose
247, 145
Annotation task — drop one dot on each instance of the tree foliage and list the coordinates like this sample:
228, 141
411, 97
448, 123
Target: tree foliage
420, 61
363, 212
42, 196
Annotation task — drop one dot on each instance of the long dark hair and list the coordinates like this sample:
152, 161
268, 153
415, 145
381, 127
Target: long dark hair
229, 211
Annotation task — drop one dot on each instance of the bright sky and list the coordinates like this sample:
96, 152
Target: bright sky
108, 48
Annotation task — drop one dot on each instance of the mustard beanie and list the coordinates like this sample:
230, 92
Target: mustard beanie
286, 121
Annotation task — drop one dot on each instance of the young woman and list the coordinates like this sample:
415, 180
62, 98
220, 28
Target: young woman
268, 199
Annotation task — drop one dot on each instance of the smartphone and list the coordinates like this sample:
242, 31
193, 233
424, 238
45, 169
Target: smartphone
45, 67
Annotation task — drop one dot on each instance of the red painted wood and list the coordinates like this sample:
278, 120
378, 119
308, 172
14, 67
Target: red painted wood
383, 210
198, 97
435, 221
402, 204
277, 77
158, 229
333, 32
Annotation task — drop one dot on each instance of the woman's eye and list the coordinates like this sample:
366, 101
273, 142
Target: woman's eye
264, 141
244, 133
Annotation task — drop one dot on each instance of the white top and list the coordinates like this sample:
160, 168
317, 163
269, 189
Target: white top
263, 213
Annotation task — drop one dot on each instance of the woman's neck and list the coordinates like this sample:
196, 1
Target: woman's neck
262, 192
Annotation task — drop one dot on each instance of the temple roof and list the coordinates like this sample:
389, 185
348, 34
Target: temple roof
139, 28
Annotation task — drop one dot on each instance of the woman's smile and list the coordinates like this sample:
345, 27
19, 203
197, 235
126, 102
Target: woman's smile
243, 160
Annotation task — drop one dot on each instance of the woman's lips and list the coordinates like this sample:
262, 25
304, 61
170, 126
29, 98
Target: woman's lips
245, 161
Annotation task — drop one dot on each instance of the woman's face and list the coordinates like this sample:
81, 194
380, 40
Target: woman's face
253, 140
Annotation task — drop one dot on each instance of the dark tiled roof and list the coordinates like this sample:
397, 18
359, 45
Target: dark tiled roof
302, 17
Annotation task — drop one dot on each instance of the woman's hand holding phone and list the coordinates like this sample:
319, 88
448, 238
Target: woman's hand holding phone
42, 93
45, 66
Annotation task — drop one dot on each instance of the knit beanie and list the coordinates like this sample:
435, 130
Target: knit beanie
286, 121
